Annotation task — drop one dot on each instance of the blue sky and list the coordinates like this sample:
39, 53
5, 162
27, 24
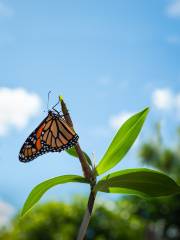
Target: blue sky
109, 59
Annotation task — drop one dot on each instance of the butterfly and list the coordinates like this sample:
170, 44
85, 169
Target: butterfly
52, 135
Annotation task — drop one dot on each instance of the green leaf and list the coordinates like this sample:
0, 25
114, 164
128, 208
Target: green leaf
41, 188
122, 142
72, 152
140, 181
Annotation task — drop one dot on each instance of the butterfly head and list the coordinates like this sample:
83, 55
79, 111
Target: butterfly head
51, 113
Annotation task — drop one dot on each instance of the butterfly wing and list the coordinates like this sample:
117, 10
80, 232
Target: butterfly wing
32, 147
57, 135
52, 135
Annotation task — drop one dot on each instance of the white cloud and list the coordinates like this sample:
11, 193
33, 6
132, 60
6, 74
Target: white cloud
5, 11
6, 212
163, 99
117, 120
173, 9
17, 106
166, 100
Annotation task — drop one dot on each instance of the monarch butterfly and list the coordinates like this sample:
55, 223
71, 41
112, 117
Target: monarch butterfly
52, 135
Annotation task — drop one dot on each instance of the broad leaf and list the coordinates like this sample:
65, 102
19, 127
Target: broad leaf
41, 188
142, 182
122, 142
72, 152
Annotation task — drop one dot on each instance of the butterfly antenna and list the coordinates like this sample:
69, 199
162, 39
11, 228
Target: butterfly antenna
55, 106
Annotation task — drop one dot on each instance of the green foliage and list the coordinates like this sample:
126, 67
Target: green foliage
41, 188
122, 142
56, 221
156, 154
142, 182
161, 214
129, 218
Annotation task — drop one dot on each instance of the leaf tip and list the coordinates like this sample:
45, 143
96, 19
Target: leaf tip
146, 109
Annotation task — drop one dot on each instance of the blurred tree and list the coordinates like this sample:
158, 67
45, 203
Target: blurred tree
156, 154
56, 221
162, 214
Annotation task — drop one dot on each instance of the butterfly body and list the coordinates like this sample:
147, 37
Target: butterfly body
52, 135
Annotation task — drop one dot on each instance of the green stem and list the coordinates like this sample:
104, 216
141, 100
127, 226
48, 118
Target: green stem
87, 216
88, 173
84, 164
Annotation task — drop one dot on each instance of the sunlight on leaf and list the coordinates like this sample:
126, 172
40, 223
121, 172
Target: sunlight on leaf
122, 142
41, 188
140, 181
